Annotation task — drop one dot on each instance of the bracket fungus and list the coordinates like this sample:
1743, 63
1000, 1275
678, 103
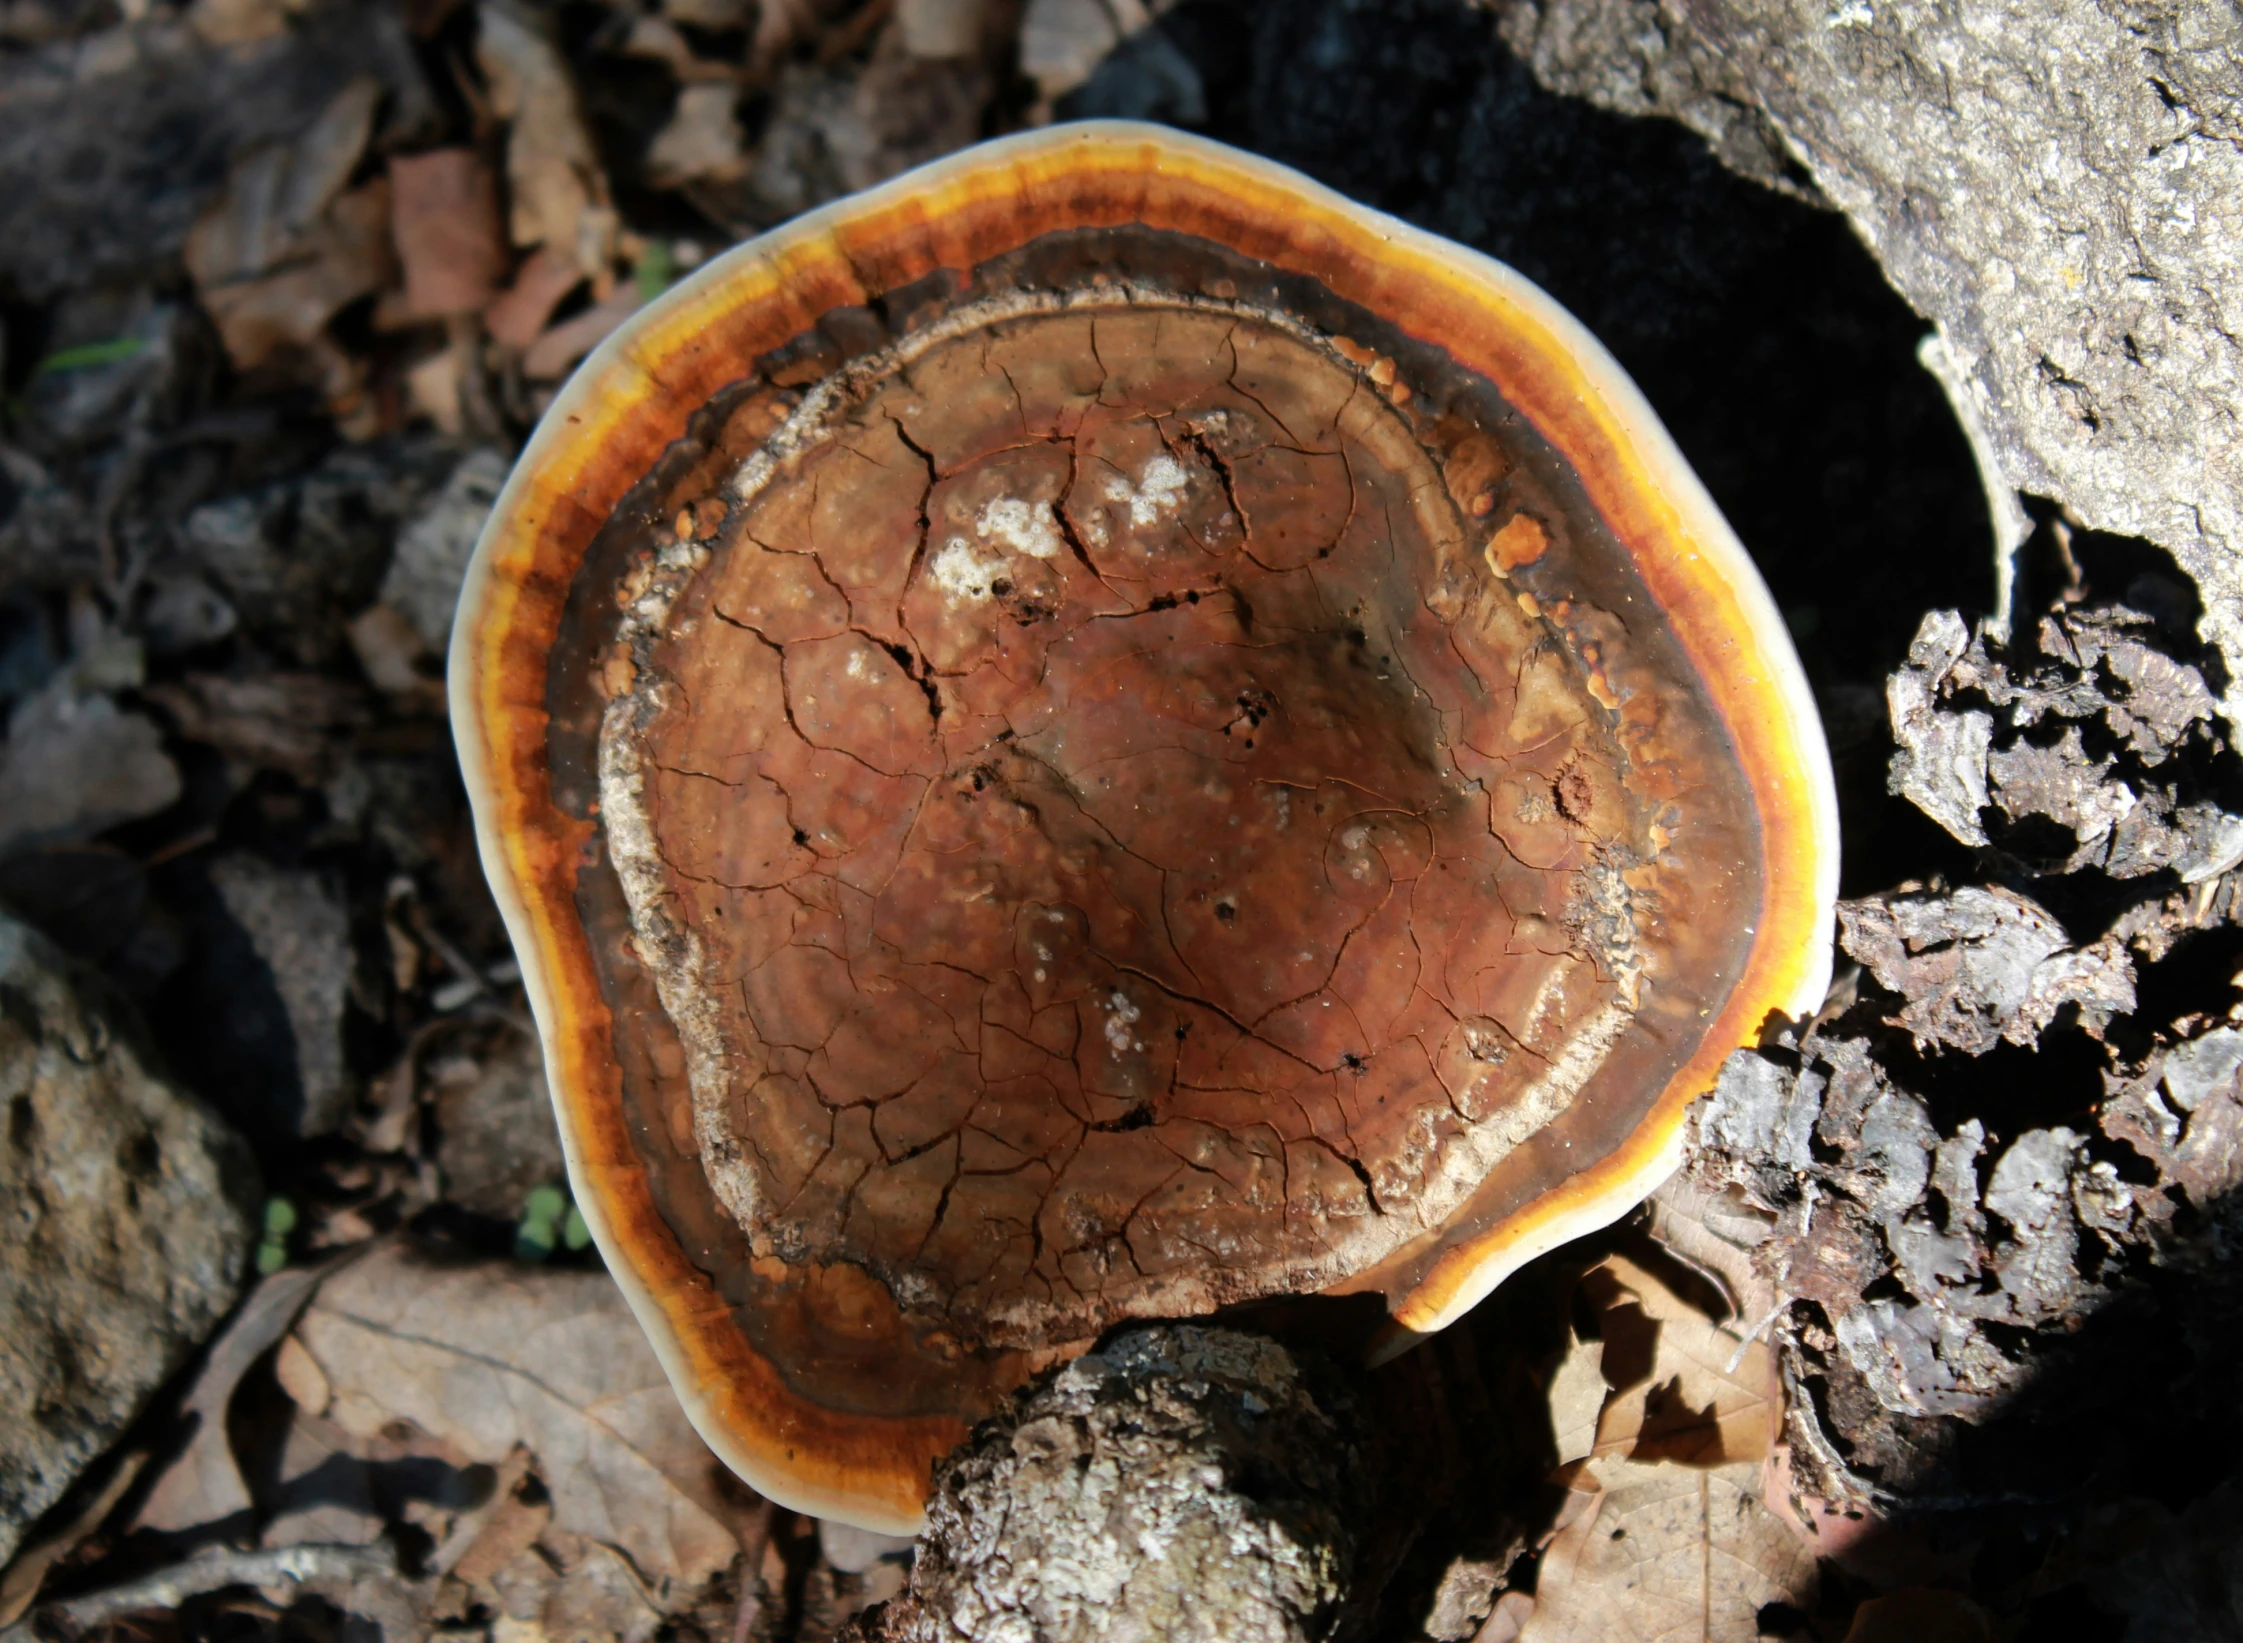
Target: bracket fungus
1096, 733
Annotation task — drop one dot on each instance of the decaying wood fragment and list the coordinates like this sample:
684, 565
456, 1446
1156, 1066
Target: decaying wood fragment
1184, 1483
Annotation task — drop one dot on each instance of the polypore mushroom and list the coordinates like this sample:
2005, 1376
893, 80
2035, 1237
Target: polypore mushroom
1098, 732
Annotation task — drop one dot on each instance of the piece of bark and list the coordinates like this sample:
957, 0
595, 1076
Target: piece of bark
557, 189
1994, 742
1980, 966
1182, 1482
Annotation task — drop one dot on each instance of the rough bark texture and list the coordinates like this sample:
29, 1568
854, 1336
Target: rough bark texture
1181, 1483
2057, 184
1965, 1250
128, 1229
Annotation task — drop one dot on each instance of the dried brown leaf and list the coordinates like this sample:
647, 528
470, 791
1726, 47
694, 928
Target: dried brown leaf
1667, 1553
325, 1493
489, 1357
558, 350
522, 308
300, 1378
559, 192
445, 219
941, 28
703, 139
297, 722
1714, 1232
1687, 1389
276, 194
203, 1485
1577, 1394
345, 255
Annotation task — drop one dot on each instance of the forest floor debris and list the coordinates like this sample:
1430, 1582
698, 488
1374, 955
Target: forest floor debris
282, 287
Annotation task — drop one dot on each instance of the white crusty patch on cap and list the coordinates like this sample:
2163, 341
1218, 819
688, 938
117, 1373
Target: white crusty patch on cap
1158, 493
962, 573
1022, 526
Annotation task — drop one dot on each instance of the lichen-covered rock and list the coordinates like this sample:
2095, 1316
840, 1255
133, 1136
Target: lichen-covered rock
2054, 183
128, 1223
278, 1007
1182, 1483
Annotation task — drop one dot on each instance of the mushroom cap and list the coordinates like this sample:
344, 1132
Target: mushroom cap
1097, 732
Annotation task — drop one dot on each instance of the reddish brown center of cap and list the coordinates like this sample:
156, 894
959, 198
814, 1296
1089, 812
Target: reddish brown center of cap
1109, 839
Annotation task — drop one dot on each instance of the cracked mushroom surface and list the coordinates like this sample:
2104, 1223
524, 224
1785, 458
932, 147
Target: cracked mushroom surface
1100, 733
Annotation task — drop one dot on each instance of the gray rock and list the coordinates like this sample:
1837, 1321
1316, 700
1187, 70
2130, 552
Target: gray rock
424, 577
76, 763
496, 1135
300, 932
128, 1209
2057, 184
1181, 1483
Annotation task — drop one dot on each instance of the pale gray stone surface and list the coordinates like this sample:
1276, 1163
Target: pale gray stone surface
2056, 184
300, 930
127, 1210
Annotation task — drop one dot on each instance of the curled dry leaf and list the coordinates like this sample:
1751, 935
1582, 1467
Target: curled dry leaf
490, 1357
286, 247
1664, 1535
1685, 1388
940, 28
704, 138
558, 350
297, 722
204, 1484
1062, 41
553, 173
522, 309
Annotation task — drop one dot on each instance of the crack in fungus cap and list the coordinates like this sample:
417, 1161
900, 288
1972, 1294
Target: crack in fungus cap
1098, 732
